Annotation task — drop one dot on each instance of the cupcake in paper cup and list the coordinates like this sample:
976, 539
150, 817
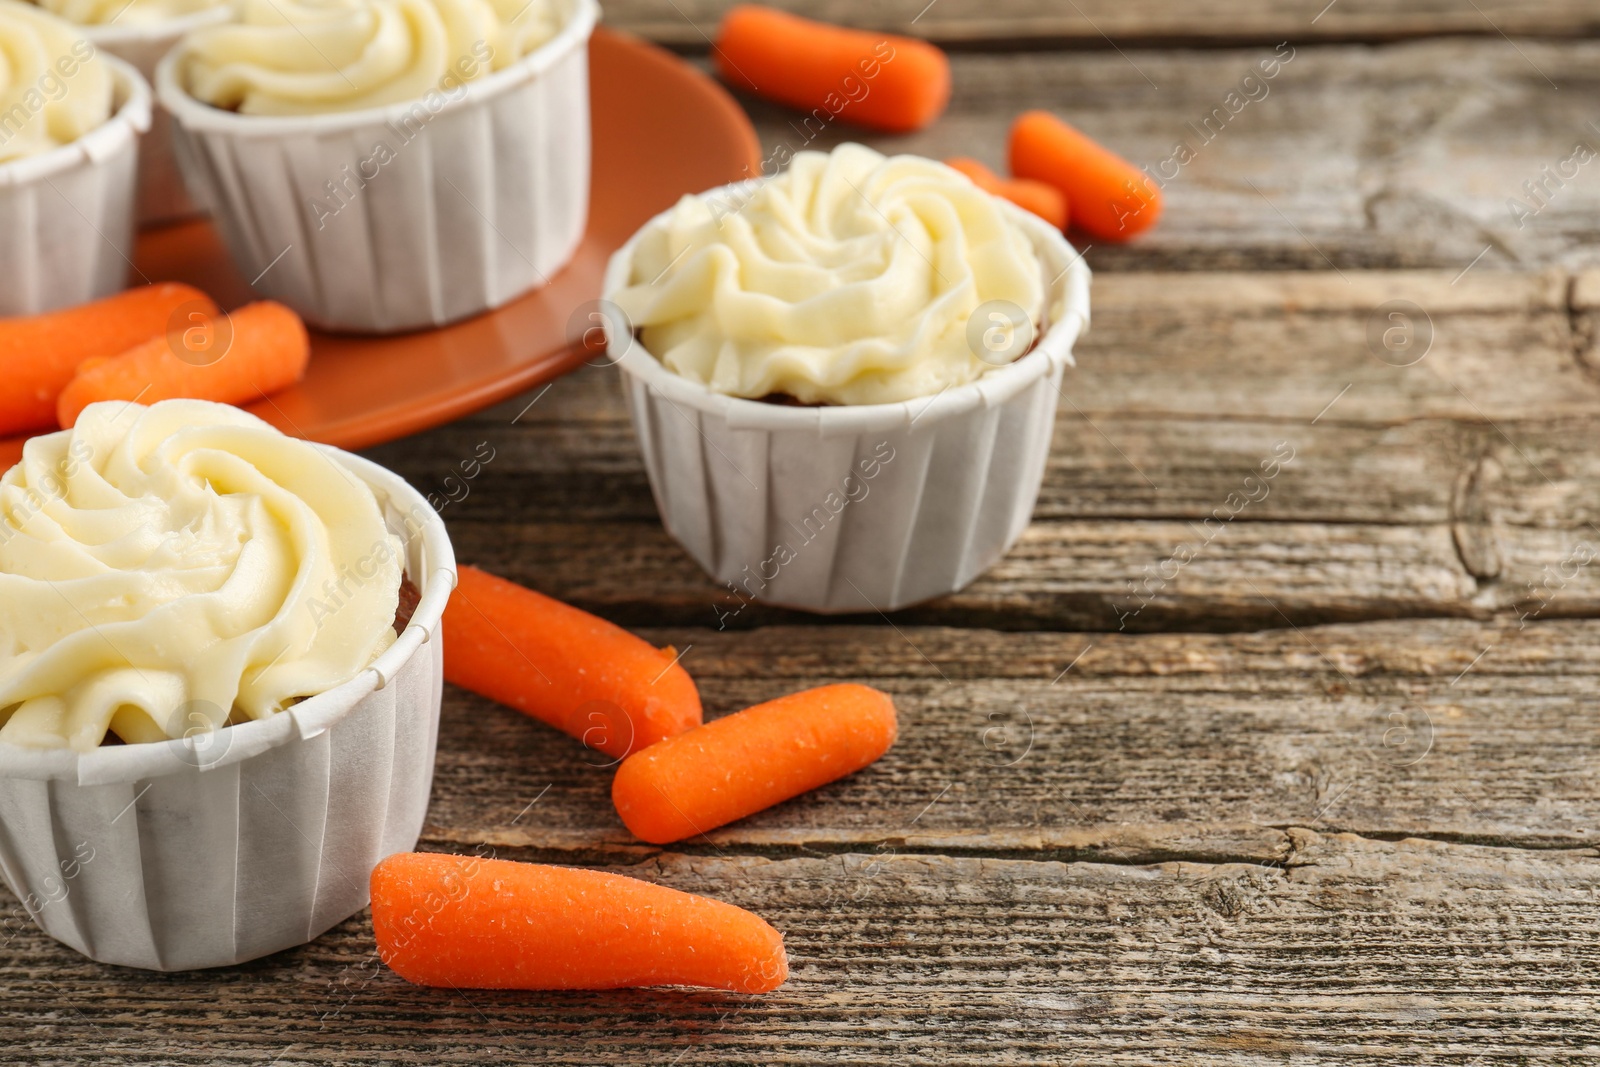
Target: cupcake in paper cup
220, 678
388, 165
844, 378
70, 122
140, 32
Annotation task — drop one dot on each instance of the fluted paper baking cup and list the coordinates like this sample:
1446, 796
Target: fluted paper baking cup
218, 848
408, 216
66, 215
161, 196
853, 508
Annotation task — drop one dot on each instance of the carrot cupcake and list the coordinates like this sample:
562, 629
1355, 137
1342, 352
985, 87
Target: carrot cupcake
70, 121
857, 327
202, 682
140, 32
384, 165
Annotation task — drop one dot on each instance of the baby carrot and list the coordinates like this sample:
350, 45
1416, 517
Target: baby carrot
477, 923
1043, 200
1110, 197
39, 353
873, 79
268, 351
565, 667
751, 760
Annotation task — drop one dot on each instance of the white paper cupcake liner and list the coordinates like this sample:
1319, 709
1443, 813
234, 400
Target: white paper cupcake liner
775, 503
66, 215
478, 203
212, 850
161, 196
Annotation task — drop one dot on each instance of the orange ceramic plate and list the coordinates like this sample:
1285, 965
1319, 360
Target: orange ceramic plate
661, 129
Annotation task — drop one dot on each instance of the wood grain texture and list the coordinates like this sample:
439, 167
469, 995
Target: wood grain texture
1353, 156
1342, 951
1461, 485
1062, 575
1330, 794
1279, 346
1093, 746
1095, 23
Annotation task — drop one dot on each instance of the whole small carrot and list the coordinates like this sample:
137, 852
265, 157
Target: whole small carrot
1043, 200
582, 675
261, 348
1110, 197
751, 760
476, 923
872, 79
40, 353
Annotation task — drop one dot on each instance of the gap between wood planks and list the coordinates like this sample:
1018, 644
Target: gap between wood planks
1102, 25
1282, 845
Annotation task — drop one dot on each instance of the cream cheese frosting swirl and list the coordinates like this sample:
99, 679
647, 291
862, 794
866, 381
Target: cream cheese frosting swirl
126, 12
303, 57
54, 88
174, 568
851, 278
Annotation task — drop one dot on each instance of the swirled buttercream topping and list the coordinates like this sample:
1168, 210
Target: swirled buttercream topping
174, 568
851, 278
302, 57
125, 12
54, 88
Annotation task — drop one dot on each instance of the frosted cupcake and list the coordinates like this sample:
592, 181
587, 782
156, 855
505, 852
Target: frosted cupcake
140, 32
211, 677
384, 165
70, 120
857, 327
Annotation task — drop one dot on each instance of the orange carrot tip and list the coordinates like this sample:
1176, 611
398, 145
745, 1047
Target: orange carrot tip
872, 79
235, 358
611, 690
1043, 200
472, 923
1110, 197
748, 761
40, 353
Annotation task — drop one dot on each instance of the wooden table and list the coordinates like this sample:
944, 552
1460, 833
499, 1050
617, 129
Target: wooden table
1323, 794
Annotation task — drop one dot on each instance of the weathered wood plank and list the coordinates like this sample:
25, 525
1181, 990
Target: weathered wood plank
578, 459
1279, 347
586, 468
1405, 345
688, 23
1149, 747
1345, 952
1106, 575
1464, 484
1404, 155
1060, 575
